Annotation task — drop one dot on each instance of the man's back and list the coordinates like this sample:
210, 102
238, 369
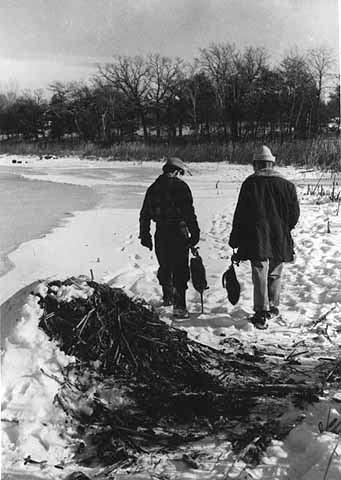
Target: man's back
267, 210
168, 202
166, 198
273, 198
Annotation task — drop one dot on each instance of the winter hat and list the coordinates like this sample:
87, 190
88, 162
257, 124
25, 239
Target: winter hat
263, 155
177, 163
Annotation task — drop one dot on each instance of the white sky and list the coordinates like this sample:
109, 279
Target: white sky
46, 40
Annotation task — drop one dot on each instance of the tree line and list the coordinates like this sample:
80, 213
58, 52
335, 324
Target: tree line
225, 93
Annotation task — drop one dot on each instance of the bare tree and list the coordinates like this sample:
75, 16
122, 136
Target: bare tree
9, 92
297, 89
249, 84
252, 63
233, 75
164, 74
199, 97
218, 61
131, 76
105, 104
320, 62
72, 108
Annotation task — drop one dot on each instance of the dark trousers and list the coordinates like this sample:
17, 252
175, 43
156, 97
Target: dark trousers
172, 252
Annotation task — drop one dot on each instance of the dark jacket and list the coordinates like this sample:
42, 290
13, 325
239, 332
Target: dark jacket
266, 212
168, 202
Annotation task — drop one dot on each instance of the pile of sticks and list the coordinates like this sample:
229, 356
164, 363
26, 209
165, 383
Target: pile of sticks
124, 335
166, 389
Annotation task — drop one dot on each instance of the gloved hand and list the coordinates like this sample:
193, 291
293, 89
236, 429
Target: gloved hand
146, 241
235, 257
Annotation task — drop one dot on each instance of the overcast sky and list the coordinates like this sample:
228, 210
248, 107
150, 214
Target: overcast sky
45, 40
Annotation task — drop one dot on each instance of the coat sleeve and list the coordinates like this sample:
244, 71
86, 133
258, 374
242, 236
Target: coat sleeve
239, 218
189, 215
145, 217
294, 210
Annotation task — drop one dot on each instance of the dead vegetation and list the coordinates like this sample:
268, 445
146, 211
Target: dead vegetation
138, 385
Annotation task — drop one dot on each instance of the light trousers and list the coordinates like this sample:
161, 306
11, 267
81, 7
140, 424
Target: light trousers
266, 278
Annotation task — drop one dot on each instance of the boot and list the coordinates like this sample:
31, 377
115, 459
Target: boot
179, 308
167, 295
274, 312
259, 319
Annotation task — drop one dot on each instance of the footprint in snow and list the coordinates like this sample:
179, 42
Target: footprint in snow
325, 248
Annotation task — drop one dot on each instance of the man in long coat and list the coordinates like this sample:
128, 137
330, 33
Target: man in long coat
169, 203
266, 212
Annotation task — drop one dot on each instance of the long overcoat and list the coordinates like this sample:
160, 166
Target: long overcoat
266, 212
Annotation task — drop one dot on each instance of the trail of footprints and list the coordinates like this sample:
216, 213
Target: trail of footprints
311, 284
315, 276
219, 233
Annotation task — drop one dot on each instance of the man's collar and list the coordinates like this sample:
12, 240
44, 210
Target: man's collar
267, 172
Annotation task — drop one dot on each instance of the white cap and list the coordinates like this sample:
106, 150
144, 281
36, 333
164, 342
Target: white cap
263, 155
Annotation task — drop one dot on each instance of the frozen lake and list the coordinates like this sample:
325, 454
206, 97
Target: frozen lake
30, 208
36, 197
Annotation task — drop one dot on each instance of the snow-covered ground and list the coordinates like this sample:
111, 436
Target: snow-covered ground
105, 241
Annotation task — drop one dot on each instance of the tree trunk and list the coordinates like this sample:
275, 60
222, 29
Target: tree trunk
77, 126
207, 129
318, 100
104, 127
234, 128
225, 131
291, 115
298, 116
240, 129
158, 126
194, 114
144, 126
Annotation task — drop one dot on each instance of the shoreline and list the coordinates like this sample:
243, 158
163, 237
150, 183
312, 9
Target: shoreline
289, 152
32, 208
74, 175
7, 265
95, 249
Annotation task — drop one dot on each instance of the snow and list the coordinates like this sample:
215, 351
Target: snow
28, 393
105, 241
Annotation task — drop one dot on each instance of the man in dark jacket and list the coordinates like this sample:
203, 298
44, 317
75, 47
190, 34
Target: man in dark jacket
266, 212
169, 203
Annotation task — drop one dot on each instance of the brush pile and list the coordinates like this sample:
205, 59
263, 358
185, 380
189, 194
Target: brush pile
140, 385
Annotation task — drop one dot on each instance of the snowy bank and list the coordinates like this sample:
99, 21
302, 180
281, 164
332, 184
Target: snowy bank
110, 248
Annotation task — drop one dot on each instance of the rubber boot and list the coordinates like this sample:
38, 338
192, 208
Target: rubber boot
167, 295
179, 308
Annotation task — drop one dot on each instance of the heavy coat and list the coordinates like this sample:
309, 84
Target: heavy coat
266, 212
169, 203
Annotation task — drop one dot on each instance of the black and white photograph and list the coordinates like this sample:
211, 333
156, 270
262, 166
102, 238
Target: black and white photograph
170, 239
